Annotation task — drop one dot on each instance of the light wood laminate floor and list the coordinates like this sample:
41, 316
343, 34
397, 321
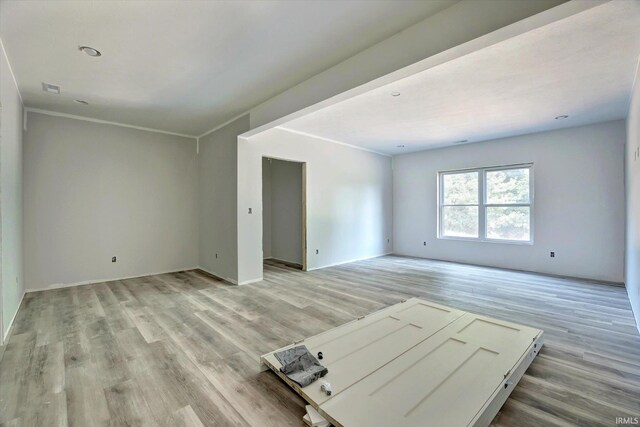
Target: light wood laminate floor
183, 348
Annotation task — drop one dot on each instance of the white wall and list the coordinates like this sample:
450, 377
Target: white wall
93, 191
12, 284
578, 211
632, 156
282, 210
348, 200
217, 195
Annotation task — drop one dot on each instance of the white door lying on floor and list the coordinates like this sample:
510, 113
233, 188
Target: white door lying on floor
416, 364
354, 350
444, 380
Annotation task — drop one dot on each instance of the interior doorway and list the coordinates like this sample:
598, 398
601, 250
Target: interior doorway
284, 237
1, 288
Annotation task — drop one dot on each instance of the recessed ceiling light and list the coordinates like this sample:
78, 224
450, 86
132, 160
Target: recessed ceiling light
90, 51
395, 93
562, 117
80, 101
400, 146
48, 87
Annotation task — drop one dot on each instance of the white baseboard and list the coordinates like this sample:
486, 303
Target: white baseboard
246, 282
635, 313
259, 279
227, 279
349, 261
94, 281
220, 276
8, 333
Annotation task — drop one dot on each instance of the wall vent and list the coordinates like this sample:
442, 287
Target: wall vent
48, 87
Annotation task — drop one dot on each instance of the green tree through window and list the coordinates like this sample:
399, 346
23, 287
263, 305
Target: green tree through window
461, 200
487, 204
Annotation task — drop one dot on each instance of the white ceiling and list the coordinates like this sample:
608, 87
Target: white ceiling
186, 66
582, 66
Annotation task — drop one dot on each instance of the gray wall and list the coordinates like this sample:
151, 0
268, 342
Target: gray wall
217, 184
632, 156
282, 210
578, 210
266, 208
11, 262
93, 191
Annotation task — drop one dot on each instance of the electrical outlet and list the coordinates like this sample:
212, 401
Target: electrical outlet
424, 243
113, 259
552, 254
216, 256
249, 210
388, 240
317, 251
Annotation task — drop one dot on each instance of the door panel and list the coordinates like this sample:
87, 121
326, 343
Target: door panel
352, 351
459, 367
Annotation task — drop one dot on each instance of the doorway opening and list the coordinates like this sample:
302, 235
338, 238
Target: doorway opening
284, 236
1, 288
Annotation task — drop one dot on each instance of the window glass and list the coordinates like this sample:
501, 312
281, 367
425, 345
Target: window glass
460, 221
460, 189
510, 186
508, 223
487, 204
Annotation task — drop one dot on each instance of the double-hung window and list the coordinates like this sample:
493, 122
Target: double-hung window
487, 204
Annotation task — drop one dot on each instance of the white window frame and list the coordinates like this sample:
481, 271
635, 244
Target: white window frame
482, 204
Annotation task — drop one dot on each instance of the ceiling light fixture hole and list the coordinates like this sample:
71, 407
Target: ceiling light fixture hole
91, 51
